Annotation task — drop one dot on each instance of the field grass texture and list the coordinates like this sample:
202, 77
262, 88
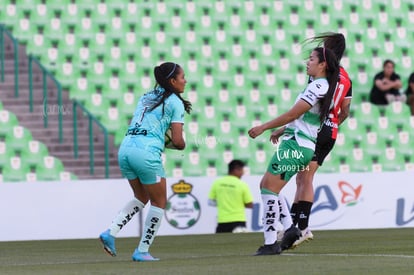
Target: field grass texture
382, 251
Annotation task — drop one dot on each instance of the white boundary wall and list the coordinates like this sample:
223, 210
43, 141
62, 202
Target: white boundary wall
83, 209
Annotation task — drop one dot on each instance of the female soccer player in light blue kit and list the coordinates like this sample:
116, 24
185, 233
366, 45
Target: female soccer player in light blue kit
139, 155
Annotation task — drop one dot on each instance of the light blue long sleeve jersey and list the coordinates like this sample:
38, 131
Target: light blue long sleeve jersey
151, 125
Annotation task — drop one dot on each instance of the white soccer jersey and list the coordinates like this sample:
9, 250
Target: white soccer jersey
305, 128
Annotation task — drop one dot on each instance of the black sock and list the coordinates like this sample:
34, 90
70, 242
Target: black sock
304, 208
294, 213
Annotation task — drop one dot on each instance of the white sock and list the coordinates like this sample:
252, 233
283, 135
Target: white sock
125, 215
152, 223
270, 216
285, 217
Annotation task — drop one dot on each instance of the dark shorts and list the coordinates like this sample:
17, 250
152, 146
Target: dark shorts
228, 227
324, 144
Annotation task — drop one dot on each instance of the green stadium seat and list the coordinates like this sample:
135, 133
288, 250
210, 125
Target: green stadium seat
403, 143
353, 129
67, 176
55, 30
127, 103
372, 146
113, 89
368, 114
80, 89
398, 113
7, 122
97, 104
34, 152
10, 15
115, 56
71, 13
131, 43
49, 169
18, 138
83, 58
23, 28
391, 160
359, 162
113, 120
343, 145
40, 12
99, 73
61, 5
363, 84
6, 153
334, 164
15, 170
385, 131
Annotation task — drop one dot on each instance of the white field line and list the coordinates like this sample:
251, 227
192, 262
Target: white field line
211, 256
352, 255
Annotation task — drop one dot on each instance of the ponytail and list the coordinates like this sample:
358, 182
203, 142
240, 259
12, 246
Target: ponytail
163, 73
332, 75
331, 40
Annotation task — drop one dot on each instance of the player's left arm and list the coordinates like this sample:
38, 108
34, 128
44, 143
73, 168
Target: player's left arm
345, 104
177, 124
344, 113
177, 137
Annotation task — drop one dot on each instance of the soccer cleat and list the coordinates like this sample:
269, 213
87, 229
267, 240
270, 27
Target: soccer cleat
143, 257
306, 237
270, 249
290, 237
280, 234
108, 242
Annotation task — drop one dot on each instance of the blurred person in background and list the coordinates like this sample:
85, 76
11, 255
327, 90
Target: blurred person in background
387, 85
231, 196
410, 93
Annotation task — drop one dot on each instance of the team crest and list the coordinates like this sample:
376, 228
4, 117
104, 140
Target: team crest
183, 209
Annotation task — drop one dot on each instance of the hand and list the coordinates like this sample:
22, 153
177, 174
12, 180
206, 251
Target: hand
256, 131
274, 137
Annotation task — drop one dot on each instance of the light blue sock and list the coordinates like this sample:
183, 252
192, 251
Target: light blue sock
152, 223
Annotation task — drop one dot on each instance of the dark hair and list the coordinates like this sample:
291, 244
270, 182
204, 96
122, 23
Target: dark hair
388, 61
332, 74
163, 73
235, 164
331, 40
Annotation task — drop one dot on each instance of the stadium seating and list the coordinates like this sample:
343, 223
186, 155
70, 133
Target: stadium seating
34, 151
49, 168
18, 138
20, 154
244, 64
16, 169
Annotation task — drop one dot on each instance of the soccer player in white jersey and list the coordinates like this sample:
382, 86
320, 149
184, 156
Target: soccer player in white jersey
295, 151
139, 156
303, 201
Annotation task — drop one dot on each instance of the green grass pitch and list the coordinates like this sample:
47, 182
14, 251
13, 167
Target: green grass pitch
382, 251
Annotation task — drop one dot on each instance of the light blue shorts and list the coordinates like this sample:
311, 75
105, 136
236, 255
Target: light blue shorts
135, 163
